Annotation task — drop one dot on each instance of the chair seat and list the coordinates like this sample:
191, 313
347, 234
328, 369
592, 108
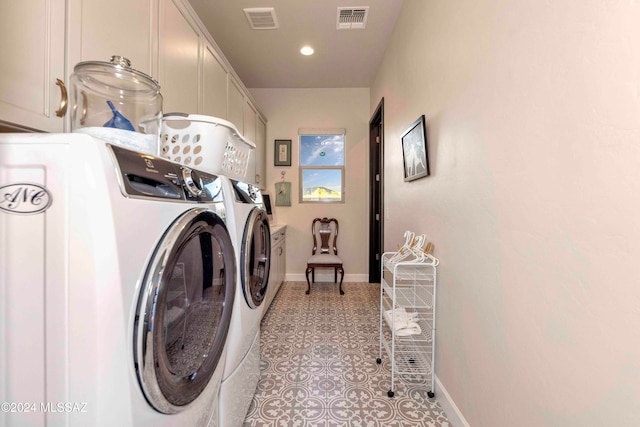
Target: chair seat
324, 259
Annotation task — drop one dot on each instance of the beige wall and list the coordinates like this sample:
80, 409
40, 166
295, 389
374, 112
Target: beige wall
533, 112
290, 109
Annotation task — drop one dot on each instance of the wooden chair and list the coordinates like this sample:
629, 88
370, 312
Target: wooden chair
325, 251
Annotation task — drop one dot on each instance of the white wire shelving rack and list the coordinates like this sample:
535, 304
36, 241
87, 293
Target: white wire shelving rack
407, 319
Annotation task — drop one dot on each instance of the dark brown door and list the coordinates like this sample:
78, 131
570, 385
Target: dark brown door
376, 199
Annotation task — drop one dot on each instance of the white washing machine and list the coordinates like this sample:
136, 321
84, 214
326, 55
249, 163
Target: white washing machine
250, 232
117, 284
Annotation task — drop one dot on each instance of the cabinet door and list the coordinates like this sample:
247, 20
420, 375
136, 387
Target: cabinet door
236, 104
101, 29
261, 153
249, 122
275, 272
214, 83
282, 261
178, 60
32, 46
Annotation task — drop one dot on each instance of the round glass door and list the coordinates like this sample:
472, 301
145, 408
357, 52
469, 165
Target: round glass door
184, 311
255, 257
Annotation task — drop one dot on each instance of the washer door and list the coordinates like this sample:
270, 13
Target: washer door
255, 258
184, 310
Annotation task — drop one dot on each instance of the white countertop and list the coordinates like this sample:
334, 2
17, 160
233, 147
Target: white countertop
275, 228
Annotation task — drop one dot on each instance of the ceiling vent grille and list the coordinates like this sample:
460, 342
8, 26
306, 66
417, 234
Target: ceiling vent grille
262, 18
352, 18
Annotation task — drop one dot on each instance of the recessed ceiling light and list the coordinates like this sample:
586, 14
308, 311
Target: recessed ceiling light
307, 50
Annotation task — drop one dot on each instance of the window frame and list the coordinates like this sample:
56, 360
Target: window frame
302, 169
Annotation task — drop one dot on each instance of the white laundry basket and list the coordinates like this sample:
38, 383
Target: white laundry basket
209, 144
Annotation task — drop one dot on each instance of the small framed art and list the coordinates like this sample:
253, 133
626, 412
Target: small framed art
414, 151
282, 152
283, 193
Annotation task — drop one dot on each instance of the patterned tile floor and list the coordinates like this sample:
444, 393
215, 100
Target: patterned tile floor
319, 367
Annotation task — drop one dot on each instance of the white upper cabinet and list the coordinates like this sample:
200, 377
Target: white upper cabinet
178, 59
162, 38
101, 29
214, 84
32, 45
236, 105
250, 115
261, 153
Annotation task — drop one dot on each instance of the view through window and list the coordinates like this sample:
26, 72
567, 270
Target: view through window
322, 168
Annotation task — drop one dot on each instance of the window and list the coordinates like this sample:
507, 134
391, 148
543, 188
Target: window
322, 166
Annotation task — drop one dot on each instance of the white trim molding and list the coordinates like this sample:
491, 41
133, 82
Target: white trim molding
449, 407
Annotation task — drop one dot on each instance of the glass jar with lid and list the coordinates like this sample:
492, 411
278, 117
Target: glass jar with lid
112, 95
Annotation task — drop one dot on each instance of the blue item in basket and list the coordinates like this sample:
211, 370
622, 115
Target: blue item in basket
118, 120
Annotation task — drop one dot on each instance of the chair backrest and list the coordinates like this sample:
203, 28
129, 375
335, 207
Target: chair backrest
325, 235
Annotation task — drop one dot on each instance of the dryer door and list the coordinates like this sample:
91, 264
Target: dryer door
255, 258
184, 310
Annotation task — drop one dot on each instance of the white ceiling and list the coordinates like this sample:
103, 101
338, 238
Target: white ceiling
272, 59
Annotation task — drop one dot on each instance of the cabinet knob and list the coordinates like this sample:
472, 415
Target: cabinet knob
60, 112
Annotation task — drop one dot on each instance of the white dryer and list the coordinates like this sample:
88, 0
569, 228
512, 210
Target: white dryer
250, 232
117, 284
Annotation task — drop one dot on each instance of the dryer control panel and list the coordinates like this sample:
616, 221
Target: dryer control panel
146, 176
246, 193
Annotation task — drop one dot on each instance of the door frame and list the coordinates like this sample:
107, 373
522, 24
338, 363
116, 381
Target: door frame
376, 192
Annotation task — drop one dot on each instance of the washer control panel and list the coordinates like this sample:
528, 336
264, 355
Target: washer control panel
146, 176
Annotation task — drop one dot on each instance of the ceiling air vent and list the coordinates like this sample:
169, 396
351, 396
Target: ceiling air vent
352, 18
262, 18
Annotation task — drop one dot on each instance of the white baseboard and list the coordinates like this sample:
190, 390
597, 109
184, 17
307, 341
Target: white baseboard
449, 407
327, 277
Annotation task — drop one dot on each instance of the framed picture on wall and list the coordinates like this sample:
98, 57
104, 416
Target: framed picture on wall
283, 193
282, 152
414, 151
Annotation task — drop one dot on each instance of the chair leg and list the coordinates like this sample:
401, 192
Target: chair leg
335, 275
309, 270
341, 278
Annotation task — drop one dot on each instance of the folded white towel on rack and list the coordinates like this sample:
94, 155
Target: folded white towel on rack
402, 323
